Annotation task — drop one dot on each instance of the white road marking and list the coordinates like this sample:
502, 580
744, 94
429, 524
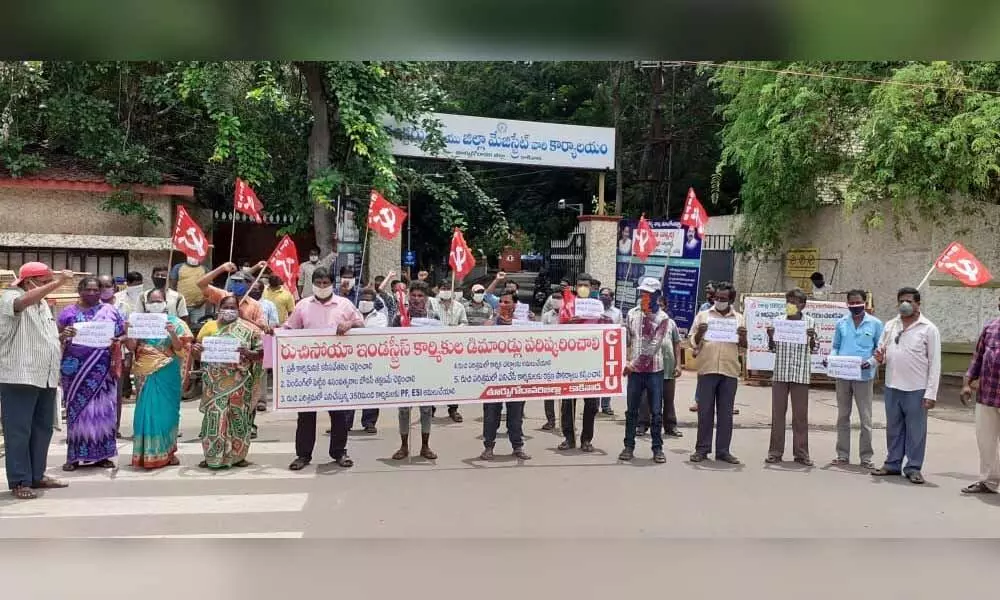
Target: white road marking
180, 473
270, 534
154, 505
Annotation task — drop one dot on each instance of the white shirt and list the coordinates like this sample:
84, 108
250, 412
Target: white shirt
614, 314
176, 305
915, 362
376, 318
452, 316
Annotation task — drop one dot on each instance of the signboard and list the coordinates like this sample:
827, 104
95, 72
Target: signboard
319, 370
760, 311
800, 263
409, 258
485, 139
676, 264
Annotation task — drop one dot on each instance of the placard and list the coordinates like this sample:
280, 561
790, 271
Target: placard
424, 322
221, 350
723, 330
588, 308
522, 312
319, 370
94, 334
760, 311
147, 326
844, 367
268, 342
790, 331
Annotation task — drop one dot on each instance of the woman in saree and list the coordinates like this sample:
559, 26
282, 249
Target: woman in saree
227, 398
90, 380
158, 365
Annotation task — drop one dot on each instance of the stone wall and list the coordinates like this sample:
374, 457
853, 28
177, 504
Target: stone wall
383, 256
601, 250
66, 212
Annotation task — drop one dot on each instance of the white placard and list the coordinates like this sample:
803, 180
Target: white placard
789, 332
844, 367
722, 330
147, 326
760, 312
220, 349
522, 312
588, 308
94, 334
425, 322
525, 323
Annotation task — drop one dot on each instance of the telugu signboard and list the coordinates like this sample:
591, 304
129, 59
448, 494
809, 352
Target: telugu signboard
676, 264
486, 139
319, 370
760, 311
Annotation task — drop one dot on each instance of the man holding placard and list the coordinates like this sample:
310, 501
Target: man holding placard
852, 365
718, 336
792, 339
585, 310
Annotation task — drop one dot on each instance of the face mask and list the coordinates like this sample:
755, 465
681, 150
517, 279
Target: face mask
323, 292
228, 315
478, 297
256, 294
506, 311
721, 306
107, 293
583, 291
606, 301
906, 309
90, 298
133, 291
445, 294
366, 306
313, 258
791, 309
156, 307
239, 289
347, 282
856, 309
160, 282
194, 262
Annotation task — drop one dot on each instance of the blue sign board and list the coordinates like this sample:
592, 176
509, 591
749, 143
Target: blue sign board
676, 264
409, 258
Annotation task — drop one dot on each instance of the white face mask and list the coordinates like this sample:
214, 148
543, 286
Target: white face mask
133, 291
347, 282
366, 306
445, 295
557, 304
478, 297
156, 307
194, 262
721, 306
322, 292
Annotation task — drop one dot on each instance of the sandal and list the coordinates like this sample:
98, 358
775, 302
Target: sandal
242, 464
549, 426
105, 464
565, 445
915, 477
371, 430
47, 483
627, 454
203, 464
298, 464
586, 447
659, 457
883, 472
520, 454
840, 462
401, 454
174, 462
428, 454
455, 416
771, 460
345, 461
979, 487
23, 492
487, 454
70, 467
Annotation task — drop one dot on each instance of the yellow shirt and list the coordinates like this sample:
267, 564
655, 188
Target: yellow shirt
187, 284
717, 357
283, 300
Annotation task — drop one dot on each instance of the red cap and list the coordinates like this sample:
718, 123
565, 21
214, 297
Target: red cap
32, 269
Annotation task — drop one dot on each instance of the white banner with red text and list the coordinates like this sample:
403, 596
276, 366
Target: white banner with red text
383, 368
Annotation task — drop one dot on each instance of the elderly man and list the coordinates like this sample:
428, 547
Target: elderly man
985, 368
30, 353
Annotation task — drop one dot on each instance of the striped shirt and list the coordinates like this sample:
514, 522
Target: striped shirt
985, 365
30, 351
793, 362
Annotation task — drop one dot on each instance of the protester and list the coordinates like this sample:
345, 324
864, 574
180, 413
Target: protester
106, 286
564, 285
508, 286
709, 302
305, 273
910, 349
384, 286
646, 329
790, 378
820, 291
492, 411
479, 312
671, 371
30, 349
368, 307
279, 295
227, 396
985, 368
550, 316
239, 282
90, 381
249, 308
270, 311
418, 307
718, 375
176, 305
159, 375
346, 287
451, 312
127, 301
614, 315
856, 334
323, 310
568, 405
185, 278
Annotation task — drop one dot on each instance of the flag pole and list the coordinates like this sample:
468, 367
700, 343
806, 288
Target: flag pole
927, 276
232, 235
361, 272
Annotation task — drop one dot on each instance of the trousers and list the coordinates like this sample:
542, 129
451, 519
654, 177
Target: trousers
305, 433
905, 429
780, 392
850, 393
27, 413
988, 440
568, 417
650, 384
515, 423
426, 413
716, 394
669, 410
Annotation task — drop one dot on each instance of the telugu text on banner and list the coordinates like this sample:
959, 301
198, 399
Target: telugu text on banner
759, 312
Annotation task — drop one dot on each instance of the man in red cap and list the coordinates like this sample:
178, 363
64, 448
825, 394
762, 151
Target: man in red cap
30, 352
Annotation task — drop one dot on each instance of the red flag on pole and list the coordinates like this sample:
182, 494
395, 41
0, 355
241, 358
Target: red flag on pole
962, 265
460, 258
246, 201
384, 217
694, 214
188, 237
643, 240
285, 262
404, 310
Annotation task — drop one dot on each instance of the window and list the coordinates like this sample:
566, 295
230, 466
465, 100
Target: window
98, 262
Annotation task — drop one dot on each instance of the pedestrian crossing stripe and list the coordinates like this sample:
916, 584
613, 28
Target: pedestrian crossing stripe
182, 536
118, 506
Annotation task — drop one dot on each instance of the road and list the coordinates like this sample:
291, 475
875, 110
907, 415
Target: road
556, 495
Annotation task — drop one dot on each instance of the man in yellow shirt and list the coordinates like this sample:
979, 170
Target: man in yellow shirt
277, 293
184, 278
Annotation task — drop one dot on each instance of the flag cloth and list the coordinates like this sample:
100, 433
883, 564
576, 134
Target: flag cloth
460, 258
284, 261
245, 200
962, 265
643, 240
188, 237
694, 214
384, 217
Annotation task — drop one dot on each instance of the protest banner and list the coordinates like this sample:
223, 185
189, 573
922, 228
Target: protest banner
522, 312
588, 308
94, 334
319, 370
147, 326
760, 311
220, 349
844, 367
723, 330
790, 331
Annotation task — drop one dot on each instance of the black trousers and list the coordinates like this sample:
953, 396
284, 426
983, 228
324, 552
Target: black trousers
369, 416
305, 433
568, 409
669, 410
550, 411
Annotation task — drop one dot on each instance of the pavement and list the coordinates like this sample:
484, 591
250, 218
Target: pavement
556, 495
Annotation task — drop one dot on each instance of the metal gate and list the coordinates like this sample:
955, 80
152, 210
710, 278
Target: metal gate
567, 258
717, 261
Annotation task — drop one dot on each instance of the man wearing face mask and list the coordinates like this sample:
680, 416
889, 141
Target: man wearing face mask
176, 306
856, 334
266, 306
451, 312
478, 312
568, 406
550, 316
346, 289
185, 279
250, 309
614, 315
418, 309
985, 368
305, 274
910, 349
492, 411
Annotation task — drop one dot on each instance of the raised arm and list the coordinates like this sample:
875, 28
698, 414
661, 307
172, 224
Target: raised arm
38, 294
211, 276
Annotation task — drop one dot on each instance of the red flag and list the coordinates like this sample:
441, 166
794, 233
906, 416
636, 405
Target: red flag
284, 261
404, 310
245, 200
460, 258
694, 214
962, 265
643, 240
385, 217
188, 237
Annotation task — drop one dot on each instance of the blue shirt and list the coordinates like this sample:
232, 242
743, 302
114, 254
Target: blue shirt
860, 341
